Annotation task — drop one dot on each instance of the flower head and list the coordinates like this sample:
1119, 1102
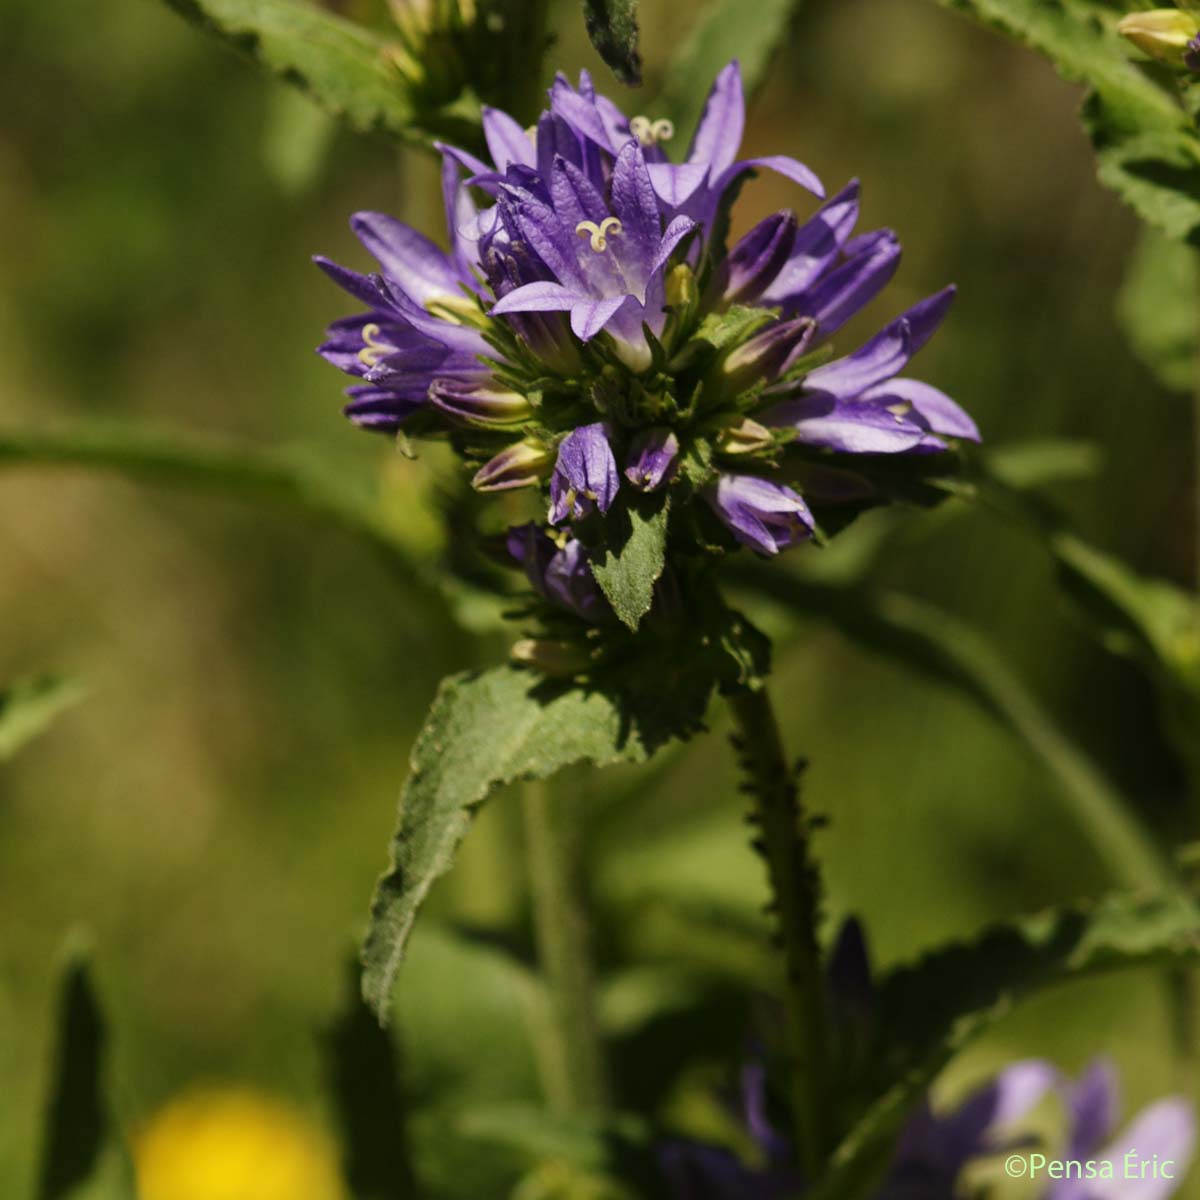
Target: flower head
588, 333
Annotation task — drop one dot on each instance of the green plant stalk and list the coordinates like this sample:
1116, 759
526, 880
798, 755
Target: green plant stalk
795, 887
576, 1079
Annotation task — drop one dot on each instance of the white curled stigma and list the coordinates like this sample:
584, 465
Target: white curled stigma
649, 132
598, 235
374, 350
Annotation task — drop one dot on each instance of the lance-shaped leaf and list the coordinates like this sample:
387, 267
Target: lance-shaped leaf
1159, 308
925, 1013
344, 66
720, 31
1147, 147
633, 555
79, 1154
28, 706
484, 730
612, 26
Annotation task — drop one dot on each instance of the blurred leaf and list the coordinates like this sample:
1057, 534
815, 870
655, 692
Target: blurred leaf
937, 644
927, 1012
1150, 620
633, 554
483, 731
179, 457
296, 141
368, 1101
720, 31
1024, 465
78, 1122
1159, 307
1147, 148
577, 1157
28, 706
612, 26
342, 65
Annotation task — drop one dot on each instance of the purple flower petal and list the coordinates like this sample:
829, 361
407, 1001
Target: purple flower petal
847, 426
1092, 1104
883, 356
653, 457
507, 141
924, 318
719, 134
817, 245
939, 412
767, 517
408, 258
588, 316
585, 475
636, 207
756, 260
676, 183
781, 164
537, 297
853, 285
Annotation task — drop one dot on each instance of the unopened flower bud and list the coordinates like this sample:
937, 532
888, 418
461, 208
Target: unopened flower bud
522, 464
558, 659
755, 261
770, 353
480, 403
1166, 34
746, 438
681, 286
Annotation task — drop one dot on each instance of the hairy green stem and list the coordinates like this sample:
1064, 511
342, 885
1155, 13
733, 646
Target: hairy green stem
783, 843
575, 1075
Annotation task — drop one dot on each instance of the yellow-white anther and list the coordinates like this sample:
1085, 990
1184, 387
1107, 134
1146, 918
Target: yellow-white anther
649, 132
901, 410
598, 235
374, 349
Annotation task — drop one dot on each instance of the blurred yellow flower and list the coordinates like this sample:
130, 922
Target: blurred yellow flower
234, 1145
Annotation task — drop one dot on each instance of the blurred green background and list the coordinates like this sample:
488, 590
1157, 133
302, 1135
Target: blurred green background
217, 810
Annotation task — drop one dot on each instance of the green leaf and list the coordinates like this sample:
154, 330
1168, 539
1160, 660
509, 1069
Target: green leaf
28, 706
364, 1083
927, 1012
722, 30
79, 1153
342, 65
1147, 147
1159, 308
633, 555
948, 650
612, 26
484, 730
1024, 465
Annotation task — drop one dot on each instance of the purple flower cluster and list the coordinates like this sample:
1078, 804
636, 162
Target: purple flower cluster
935, 1149
587, 333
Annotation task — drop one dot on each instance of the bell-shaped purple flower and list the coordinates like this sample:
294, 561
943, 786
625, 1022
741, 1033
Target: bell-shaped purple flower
585, 475
767, 517
653, 457
561, 575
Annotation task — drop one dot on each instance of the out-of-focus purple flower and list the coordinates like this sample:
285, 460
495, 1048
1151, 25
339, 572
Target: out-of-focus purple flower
560, 574
1191, 56
653, 456
585, 476
1162, 1136
767, 517
933, 1149
696, 1171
